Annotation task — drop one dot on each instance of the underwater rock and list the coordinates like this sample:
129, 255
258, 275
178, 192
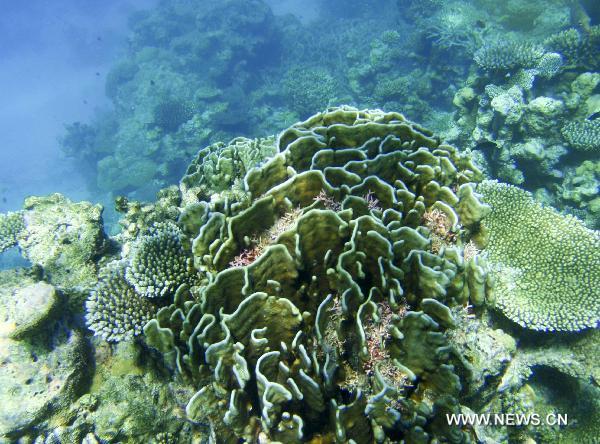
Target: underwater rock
43, 374
484, 354
63, 237
32, 308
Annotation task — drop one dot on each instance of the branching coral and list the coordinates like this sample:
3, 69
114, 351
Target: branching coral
11, 225
159, 262
507, 55
583, 136
115, 311
546, 266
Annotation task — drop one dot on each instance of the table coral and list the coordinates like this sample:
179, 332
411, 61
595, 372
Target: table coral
546, 266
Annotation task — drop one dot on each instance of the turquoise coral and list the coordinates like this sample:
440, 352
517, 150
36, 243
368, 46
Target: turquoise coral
546, 266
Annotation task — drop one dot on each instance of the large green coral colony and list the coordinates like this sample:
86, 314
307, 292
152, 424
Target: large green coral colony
327, 299
546, 266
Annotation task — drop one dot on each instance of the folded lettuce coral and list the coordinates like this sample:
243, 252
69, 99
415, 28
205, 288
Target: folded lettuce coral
326, 301
546, 266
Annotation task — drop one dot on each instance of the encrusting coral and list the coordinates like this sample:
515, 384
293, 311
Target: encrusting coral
546, 266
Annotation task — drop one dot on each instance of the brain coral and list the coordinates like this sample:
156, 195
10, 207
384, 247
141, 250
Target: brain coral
546, 266
326, 303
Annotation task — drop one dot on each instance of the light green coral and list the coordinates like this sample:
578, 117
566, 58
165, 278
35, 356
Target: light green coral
583, 135
11, 225
325, 307
159, 262
546, 266
115, 311
216, 174
508, 55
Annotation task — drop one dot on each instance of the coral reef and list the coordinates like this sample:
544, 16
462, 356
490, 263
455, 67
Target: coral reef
337, 321
44, 368
11, 225
64, 238
546, 266
529, 114
341, 292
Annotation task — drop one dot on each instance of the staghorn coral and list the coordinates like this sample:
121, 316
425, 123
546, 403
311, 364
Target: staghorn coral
335, 329
583, 136
115, 311
546, 266
579, 48
508, 55
159, 262
11, 224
